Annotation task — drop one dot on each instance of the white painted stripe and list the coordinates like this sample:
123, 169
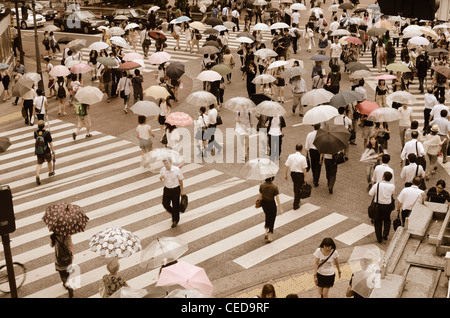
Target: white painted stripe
29, 135
26, 128
76, 156
355, 234
264, 252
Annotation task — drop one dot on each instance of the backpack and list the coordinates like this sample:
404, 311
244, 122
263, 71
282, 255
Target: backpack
441, 78
61, 90
80, 110
46, 42
40, 146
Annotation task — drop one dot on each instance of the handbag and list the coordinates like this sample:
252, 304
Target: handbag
420, 160
422, 185
373, 207
24, 112
258, 203
184, 203
339, 158
164, 140
219, 120
305, 191
397, 222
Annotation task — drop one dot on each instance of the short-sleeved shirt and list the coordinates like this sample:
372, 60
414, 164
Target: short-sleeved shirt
39, 103
296, 162
269, 191
47, 137
405, 116
143, 131
172, 177
327, 269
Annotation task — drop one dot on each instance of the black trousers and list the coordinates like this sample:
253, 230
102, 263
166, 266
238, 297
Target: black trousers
382, 221
331, 172
270, 211
171, 202
405, 214
28, 105
275, 143
298, 178
316, 167
426, 116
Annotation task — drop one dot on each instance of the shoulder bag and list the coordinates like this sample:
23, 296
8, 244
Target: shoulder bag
373, 207
324, 261
219, 120
420, 160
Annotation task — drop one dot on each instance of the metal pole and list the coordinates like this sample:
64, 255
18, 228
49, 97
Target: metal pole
36, 44
9, 265
19, 33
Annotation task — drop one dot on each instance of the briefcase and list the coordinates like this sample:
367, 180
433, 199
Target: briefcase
305, 191
183, 203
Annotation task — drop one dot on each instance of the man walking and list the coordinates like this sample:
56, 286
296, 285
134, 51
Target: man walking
84, 120
416, 147
314, 155
138, 91
379, 170
408, 198
298, 87
444, 128
44, 150
297, 165
173, 189
382, 192
211, 130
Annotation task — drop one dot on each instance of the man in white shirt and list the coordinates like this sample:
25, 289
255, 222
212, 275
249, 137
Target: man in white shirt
335, 51
382, 193
411, 171
314, 155
408, 197
235, 18
379, 170
173, 189
343, 120
444, 129
416, 147
298, 88
334, 25
295, 17
297, 165
430, 101
405, 121
436, 110
225, 13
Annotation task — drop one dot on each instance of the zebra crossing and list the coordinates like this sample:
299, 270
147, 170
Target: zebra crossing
103, 175
180, 55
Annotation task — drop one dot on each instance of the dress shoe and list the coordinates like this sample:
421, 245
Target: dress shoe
316, 184
385, 238
174, 224
330, 190
38, 180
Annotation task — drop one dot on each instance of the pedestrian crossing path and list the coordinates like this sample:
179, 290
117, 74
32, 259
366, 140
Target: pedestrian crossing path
180, 55
104, 176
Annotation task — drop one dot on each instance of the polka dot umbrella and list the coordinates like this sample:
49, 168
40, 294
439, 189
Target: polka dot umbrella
115, 242
65, 219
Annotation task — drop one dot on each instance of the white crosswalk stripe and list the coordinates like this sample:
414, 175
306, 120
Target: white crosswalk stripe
103, 175
179, 55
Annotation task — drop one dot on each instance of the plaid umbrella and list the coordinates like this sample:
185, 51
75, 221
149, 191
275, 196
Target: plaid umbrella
115, 242
65, 219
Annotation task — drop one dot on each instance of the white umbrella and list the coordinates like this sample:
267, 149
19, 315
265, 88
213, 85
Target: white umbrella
259, 169
209, 76
290, 63
115, 242
197, 25
298, 6
157, 155
59, 70
419, 40
333, 7
146, 108
384, 114
279, 25
360, 74
270, 108
229, 25
429, 32
132, 26
98, 46
132, 56
162, 251
220, 28
263, 79
261, 27
260, 3
51, 28
89, 95
319, 115
159, 57
72, 63
244, 39
340, 32
369, 156
412, 30
401, 97
239, 104
119, 41
316, 11
316, 97
201, 98
263, 53
129, 292
154, 8
116, 31
277, 64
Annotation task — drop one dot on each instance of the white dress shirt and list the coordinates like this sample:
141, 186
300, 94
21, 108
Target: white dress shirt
436, 111
296, 162
310, 139
386, 190
430, 101
408, 197
378, 172
409, 172
212, 116
410, 147
172, 177
343, 120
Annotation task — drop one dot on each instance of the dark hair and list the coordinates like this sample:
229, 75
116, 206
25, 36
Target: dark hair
203, 109
414, 124
385, 158
141, 119
441, 99
316, 126
298, 147
441, 182
444, 113
328, 241
270, 179
414, 134
341, 110
387, 176
268, 289
416, 181
39, 92
412, 157
137, 72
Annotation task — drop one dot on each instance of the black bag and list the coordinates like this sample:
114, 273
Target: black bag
122, 93
397, 222
339, 158
305, 191
258, 203
373, 207
61, 90
219, 120
164, 139
422, 185
24, 113
240, 51
184, 203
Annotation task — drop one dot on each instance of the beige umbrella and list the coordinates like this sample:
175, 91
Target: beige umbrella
157, 92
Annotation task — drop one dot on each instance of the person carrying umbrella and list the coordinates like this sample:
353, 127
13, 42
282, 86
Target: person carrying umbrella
63, 257
144, 131
173, 189
84, 120
268, 194
298, 89
44, 150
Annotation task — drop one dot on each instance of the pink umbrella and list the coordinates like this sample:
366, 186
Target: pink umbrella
80, 68
159, 57
385, 77
352, 39
130, 57
186, 275
179, 119
366, 107
59, 70
129, 66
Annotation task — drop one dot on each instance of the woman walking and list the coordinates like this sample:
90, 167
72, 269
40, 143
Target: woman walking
63, 257
280, 83
326, 257
432, 144
124, 87
144, 131
380, 93
61, 94
268, 194
165, 107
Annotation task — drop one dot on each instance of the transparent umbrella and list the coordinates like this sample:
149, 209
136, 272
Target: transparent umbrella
270, 108
129, 292
157, 155
159, 57
259, 169
146, 108
89, 95
401, 97
201, 98
319, 115
263, 79
316, 97
384, 114
163, 251
239, 104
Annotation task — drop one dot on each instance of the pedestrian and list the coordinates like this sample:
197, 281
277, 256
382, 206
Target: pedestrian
330, 170
430, 101
212, 125
250, 74
313, 155
124, 88
93, 55
165, 107
269, 196
416, 147
145, 40
173, 189
173, 137
326, 258
228, 60
61, 94
84, 120
381, 54
380, 169
243, 128
268, 291
438, 193
408, 198
383, 134
343, 120
374, 148
106, 76
404, 123
380, 93
132, 37
46, 43
51, 79
112, 282
144, 131
333, 80
443, 126
335, 52
188, 37
383, 192
297, 165
39, 104
202, 125
298, 89
138, 91
28, 105
432, 145
422, 70
16, 77
44, 150
6, 79
19, 68
63, 258
176, 35
275, 134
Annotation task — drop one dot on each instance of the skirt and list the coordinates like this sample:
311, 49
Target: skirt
161, 120
325, 281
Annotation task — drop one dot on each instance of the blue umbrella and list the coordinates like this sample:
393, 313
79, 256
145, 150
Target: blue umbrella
183, 19
3, 66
